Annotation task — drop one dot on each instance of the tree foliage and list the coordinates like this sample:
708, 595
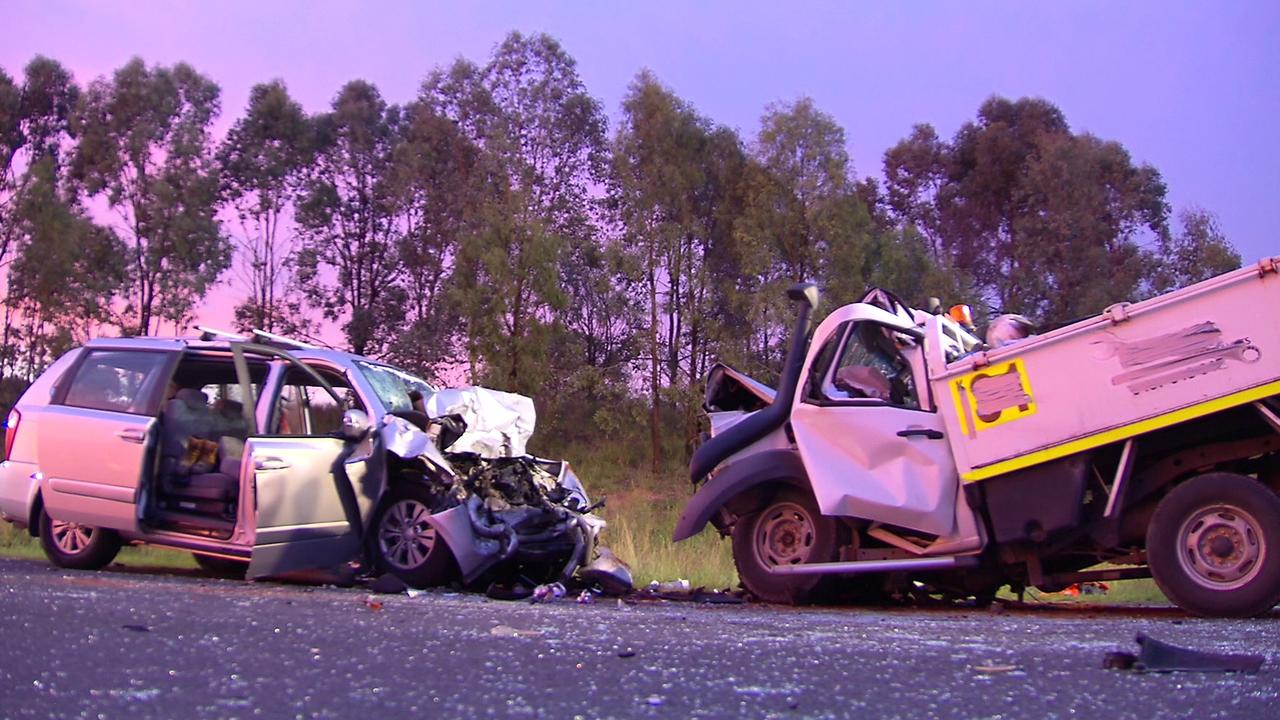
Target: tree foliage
348, 262
1046, 222
144, 146
494, 229
262, 161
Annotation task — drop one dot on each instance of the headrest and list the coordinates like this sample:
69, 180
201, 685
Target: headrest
192, 398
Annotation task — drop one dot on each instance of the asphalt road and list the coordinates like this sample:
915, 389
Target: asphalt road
132, 644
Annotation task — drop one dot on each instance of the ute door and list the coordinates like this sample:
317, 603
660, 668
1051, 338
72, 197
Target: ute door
300, 472
869, 446
97, 437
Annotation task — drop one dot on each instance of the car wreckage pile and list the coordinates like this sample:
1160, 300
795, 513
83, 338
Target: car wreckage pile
507, 517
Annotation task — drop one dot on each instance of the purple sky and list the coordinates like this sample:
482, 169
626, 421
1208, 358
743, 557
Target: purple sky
1191, 88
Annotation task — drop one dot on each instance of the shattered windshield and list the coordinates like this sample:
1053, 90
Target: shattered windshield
393, 386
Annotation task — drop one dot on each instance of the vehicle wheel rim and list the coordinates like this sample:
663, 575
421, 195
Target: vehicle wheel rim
784, 535
405, 537
71, 538
1221, 547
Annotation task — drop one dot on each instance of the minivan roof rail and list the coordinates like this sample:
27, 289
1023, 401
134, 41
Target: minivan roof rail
209, 333
268, 338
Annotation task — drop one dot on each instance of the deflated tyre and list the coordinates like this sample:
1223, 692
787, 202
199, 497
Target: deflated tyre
406, 545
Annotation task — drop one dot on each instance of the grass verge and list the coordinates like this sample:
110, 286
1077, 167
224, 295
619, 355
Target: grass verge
16, 543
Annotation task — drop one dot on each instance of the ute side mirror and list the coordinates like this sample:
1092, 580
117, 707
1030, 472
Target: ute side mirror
355, 425
804, 292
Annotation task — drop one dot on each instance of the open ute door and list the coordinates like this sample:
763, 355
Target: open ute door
304, 511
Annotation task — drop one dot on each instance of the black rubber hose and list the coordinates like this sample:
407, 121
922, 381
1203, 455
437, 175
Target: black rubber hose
763, 422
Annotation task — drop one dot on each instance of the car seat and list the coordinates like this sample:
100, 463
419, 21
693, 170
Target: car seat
192, 467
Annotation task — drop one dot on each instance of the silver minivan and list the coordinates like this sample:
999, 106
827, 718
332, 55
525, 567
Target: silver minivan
252, 455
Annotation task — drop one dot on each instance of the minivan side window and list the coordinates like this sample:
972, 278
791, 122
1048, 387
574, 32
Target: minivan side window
116, 380
305, 408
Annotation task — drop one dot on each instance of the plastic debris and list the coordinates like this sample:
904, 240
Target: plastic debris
548, 593
1086, 588
673, 586
1156, 656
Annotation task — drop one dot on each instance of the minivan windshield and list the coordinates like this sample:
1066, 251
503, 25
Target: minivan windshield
393, 386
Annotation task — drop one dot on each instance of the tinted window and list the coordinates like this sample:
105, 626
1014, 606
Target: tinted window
117, 380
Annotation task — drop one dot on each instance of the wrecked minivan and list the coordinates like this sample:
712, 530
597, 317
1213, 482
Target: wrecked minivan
265, 456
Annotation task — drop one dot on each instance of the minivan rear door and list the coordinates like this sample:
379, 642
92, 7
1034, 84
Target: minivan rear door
96, 439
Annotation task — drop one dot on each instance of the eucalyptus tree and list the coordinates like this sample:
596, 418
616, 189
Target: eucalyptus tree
262, 160
540, 139
144, 147
61, 271
1045, 221
348, 262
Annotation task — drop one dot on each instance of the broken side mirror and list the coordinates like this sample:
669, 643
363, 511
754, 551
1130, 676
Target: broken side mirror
355, 425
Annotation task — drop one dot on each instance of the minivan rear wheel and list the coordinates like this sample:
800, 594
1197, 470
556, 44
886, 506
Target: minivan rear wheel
75, 546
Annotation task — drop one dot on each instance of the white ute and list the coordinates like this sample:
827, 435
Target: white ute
899, 452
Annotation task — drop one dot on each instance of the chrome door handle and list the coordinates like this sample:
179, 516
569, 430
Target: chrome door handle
922, 432
269, 463
132, 435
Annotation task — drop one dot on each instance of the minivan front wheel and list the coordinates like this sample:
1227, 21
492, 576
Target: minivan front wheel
406, 545
75, 546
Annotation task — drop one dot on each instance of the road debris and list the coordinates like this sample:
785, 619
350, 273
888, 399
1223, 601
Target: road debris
1160, 657
548, 593
508, 631
991, 668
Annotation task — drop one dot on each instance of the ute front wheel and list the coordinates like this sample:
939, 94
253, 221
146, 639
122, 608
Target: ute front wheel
1213, 546
787, 531
75, 546
406, 545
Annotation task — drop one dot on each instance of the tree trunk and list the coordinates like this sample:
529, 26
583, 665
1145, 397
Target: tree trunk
655, 431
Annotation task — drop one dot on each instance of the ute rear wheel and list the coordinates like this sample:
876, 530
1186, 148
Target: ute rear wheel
789, 530
1213, 546
75, 546
406, 545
